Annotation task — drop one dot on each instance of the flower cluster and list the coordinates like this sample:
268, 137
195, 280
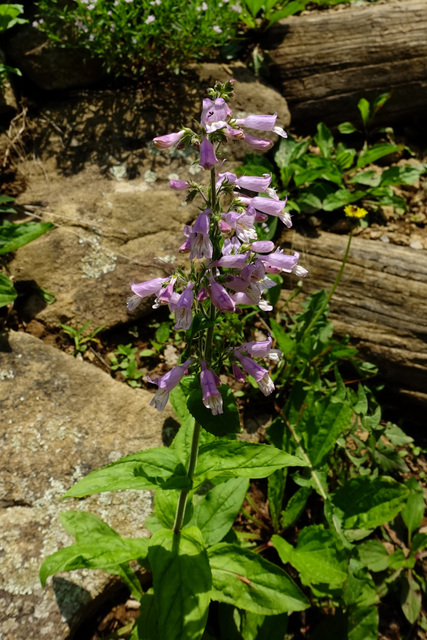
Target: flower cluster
230, 267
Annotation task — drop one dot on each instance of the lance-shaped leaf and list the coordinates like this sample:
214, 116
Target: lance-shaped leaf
157, 468
319, 556
86, 528
13, 235
182, 581
248, 581
146, 624
7, 291
241, 459
215, 512
102, 553
366, 502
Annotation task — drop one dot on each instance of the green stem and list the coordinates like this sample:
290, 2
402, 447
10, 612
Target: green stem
182, 501
333, 288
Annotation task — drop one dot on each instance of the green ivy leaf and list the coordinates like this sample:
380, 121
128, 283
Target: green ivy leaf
248, 581
182, 581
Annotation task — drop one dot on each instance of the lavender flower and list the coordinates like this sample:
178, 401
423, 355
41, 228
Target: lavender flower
219, 296
209, 382
260, 374
167, 382
208, 158
169, 140
178, 185
143, 290
183, 309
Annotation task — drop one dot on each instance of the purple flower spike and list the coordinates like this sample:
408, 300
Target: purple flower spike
178, 185
143, 290
212, 398
219, 297
183, 309
208, 158
170, 140
167, 382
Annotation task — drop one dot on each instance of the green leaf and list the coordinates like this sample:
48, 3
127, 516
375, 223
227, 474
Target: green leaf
346, 127
15, 235
319, 556
376, 152
340, 198
321, 424
257, 627
295, 6
215, 512
413, 513
364, 108
366, 502
410, 598
157, 468
401, 175
103, 553
295, 507
221, 424
374, 555
275, 492
178, 400
289, 151
284, 341
7, 291
146, 626
359, 590
361, 406
244, 579
370, 178
241, 460
419, 542
182, 582
309, 202
324, 140
362, 623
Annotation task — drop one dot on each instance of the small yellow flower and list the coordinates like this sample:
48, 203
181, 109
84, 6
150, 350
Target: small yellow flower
351, 211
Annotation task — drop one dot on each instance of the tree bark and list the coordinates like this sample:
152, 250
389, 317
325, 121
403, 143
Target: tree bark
325, 61
381, 302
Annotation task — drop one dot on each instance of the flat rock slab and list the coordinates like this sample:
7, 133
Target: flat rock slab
61, 419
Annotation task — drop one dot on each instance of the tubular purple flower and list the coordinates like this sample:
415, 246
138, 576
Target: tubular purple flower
258, 143
238, 373
255, 370
143, 290
208, 158
280, 260
183, 309
254, 183
200, 243
268, 205
243, 223
262, 123
260, 349
231, 261
262, 246
212, 398
212, 112
219, 296
178, 185
230, 245
169, 140
164, 295
167, 382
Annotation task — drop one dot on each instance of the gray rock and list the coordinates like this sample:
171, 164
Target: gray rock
61, 419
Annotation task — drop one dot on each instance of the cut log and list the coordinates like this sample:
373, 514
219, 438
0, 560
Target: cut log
325, 61
381, 302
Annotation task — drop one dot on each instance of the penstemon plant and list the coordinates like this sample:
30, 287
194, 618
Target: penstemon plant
201, 480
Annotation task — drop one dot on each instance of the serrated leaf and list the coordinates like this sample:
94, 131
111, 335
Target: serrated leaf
241, 460
157, 468
319, 556
215, 512
221, 424
103, 553
248, 581
182, 581
366, 502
